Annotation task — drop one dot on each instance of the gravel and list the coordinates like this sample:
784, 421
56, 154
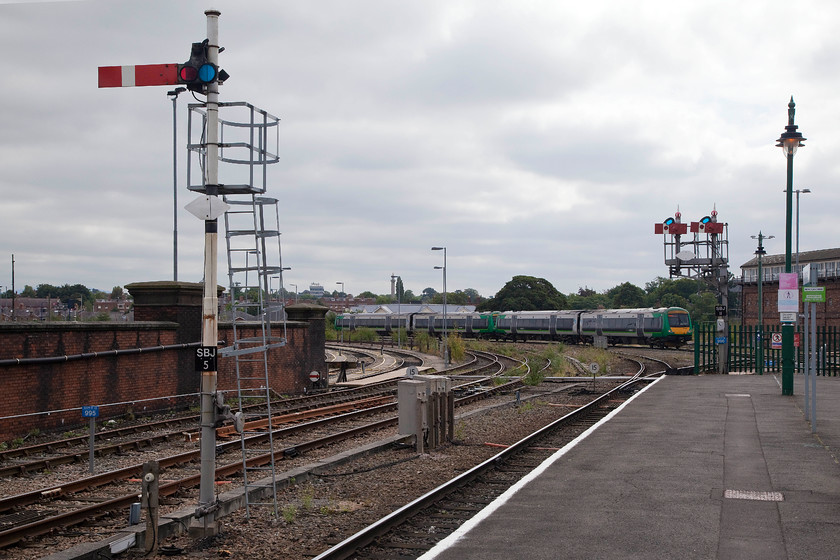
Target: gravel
317, 514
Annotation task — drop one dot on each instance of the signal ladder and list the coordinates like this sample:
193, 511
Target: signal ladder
254, 261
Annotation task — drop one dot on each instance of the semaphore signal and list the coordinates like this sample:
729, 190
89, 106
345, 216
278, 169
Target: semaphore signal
196, 73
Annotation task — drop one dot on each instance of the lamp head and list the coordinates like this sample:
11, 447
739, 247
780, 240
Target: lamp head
790, 139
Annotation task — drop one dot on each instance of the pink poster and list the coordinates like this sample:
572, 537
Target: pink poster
788, 281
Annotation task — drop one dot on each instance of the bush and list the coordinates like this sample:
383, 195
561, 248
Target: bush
456, 347
425, 342
363, 334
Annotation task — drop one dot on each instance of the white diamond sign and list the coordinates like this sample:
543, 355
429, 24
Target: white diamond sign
207, 207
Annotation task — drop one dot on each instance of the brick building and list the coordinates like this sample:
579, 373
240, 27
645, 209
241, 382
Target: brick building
827, 264
51, 370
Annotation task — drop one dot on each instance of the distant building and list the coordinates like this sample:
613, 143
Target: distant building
112, 305
28, 308
827, 263
316, 290
412, 308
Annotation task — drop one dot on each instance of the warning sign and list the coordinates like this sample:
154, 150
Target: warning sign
776, 341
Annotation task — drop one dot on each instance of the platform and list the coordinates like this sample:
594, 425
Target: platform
710, 466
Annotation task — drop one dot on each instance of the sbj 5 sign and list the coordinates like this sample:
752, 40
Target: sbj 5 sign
205, 358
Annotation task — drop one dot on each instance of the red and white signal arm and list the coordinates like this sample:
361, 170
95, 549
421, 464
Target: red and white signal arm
140, 75
708, 227
673, 228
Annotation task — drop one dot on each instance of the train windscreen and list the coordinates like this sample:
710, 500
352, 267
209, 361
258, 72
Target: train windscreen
677, 319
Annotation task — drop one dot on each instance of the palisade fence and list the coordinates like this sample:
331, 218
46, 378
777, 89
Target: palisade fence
743, 344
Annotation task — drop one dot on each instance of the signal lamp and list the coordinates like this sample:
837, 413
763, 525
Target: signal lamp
197, 72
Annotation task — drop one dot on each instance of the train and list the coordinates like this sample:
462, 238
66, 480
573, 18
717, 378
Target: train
653, 326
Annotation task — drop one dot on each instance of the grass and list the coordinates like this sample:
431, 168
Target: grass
289, 513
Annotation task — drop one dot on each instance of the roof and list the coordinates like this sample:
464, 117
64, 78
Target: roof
412, 308
805, 257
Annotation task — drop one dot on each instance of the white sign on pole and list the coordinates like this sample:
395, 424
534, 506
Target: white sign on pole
789, 301
787, 317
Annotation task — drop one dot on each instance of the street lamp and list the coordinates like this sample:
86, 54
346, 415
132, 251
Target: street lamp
445, 341
797, 191
296, 291
759, 354
248, 267
279, 283
342, 330
798, 271
174, 95
399, 342
789, 142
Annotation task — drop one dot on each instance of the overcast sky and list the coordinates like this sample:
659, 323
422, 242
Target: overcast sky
542, 138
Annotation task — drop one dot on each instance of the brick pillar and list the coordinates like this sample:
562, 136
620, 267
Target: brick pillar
176, 302
315, 339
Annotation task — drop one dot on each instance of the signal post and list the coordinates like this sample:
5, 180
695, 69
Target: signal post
705, 257
199, 74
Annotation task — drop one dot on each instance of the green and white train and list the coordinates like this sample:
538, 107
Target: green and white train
660, 326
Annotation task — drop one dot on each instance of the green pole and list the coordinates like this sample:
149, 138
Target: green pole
759, 351
787, 328
789, 141
697, 348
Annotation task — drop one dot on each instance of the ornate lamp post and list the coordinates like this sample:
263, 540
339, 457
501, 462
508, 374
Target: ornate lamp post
759, 351
789, 141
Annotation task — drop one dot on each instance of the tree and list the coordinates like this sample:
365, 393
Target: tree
117, 292
682, 287
626, 296
592, 300
67, 294
400, 290
472, 295
702, 307
428, 294
586, 291
28, 291
368, 295
525, 293
452, 298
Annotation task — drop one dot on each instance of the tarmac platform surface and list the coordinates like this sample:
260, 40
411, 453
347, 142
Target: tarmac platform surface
710, 466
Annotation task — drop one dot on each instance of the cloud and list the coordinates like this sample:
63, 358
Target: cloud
528, 137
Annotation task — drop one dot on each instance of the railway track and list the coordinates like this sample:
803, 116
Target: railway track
29, 514
419, 525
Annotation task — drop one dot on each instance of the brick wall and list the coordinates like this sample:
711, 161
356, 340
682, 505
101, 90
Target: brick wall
61, 367
828, 313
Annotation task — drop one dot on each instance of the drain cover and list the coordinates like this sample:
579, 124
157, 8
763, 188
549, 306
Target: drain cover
754, 495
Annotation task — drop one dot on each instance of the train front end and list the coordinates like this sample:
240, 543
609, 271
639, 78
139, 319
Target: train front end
678, 327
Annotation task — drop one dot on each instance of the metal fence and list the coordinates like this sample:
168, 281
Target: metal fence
743, 346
